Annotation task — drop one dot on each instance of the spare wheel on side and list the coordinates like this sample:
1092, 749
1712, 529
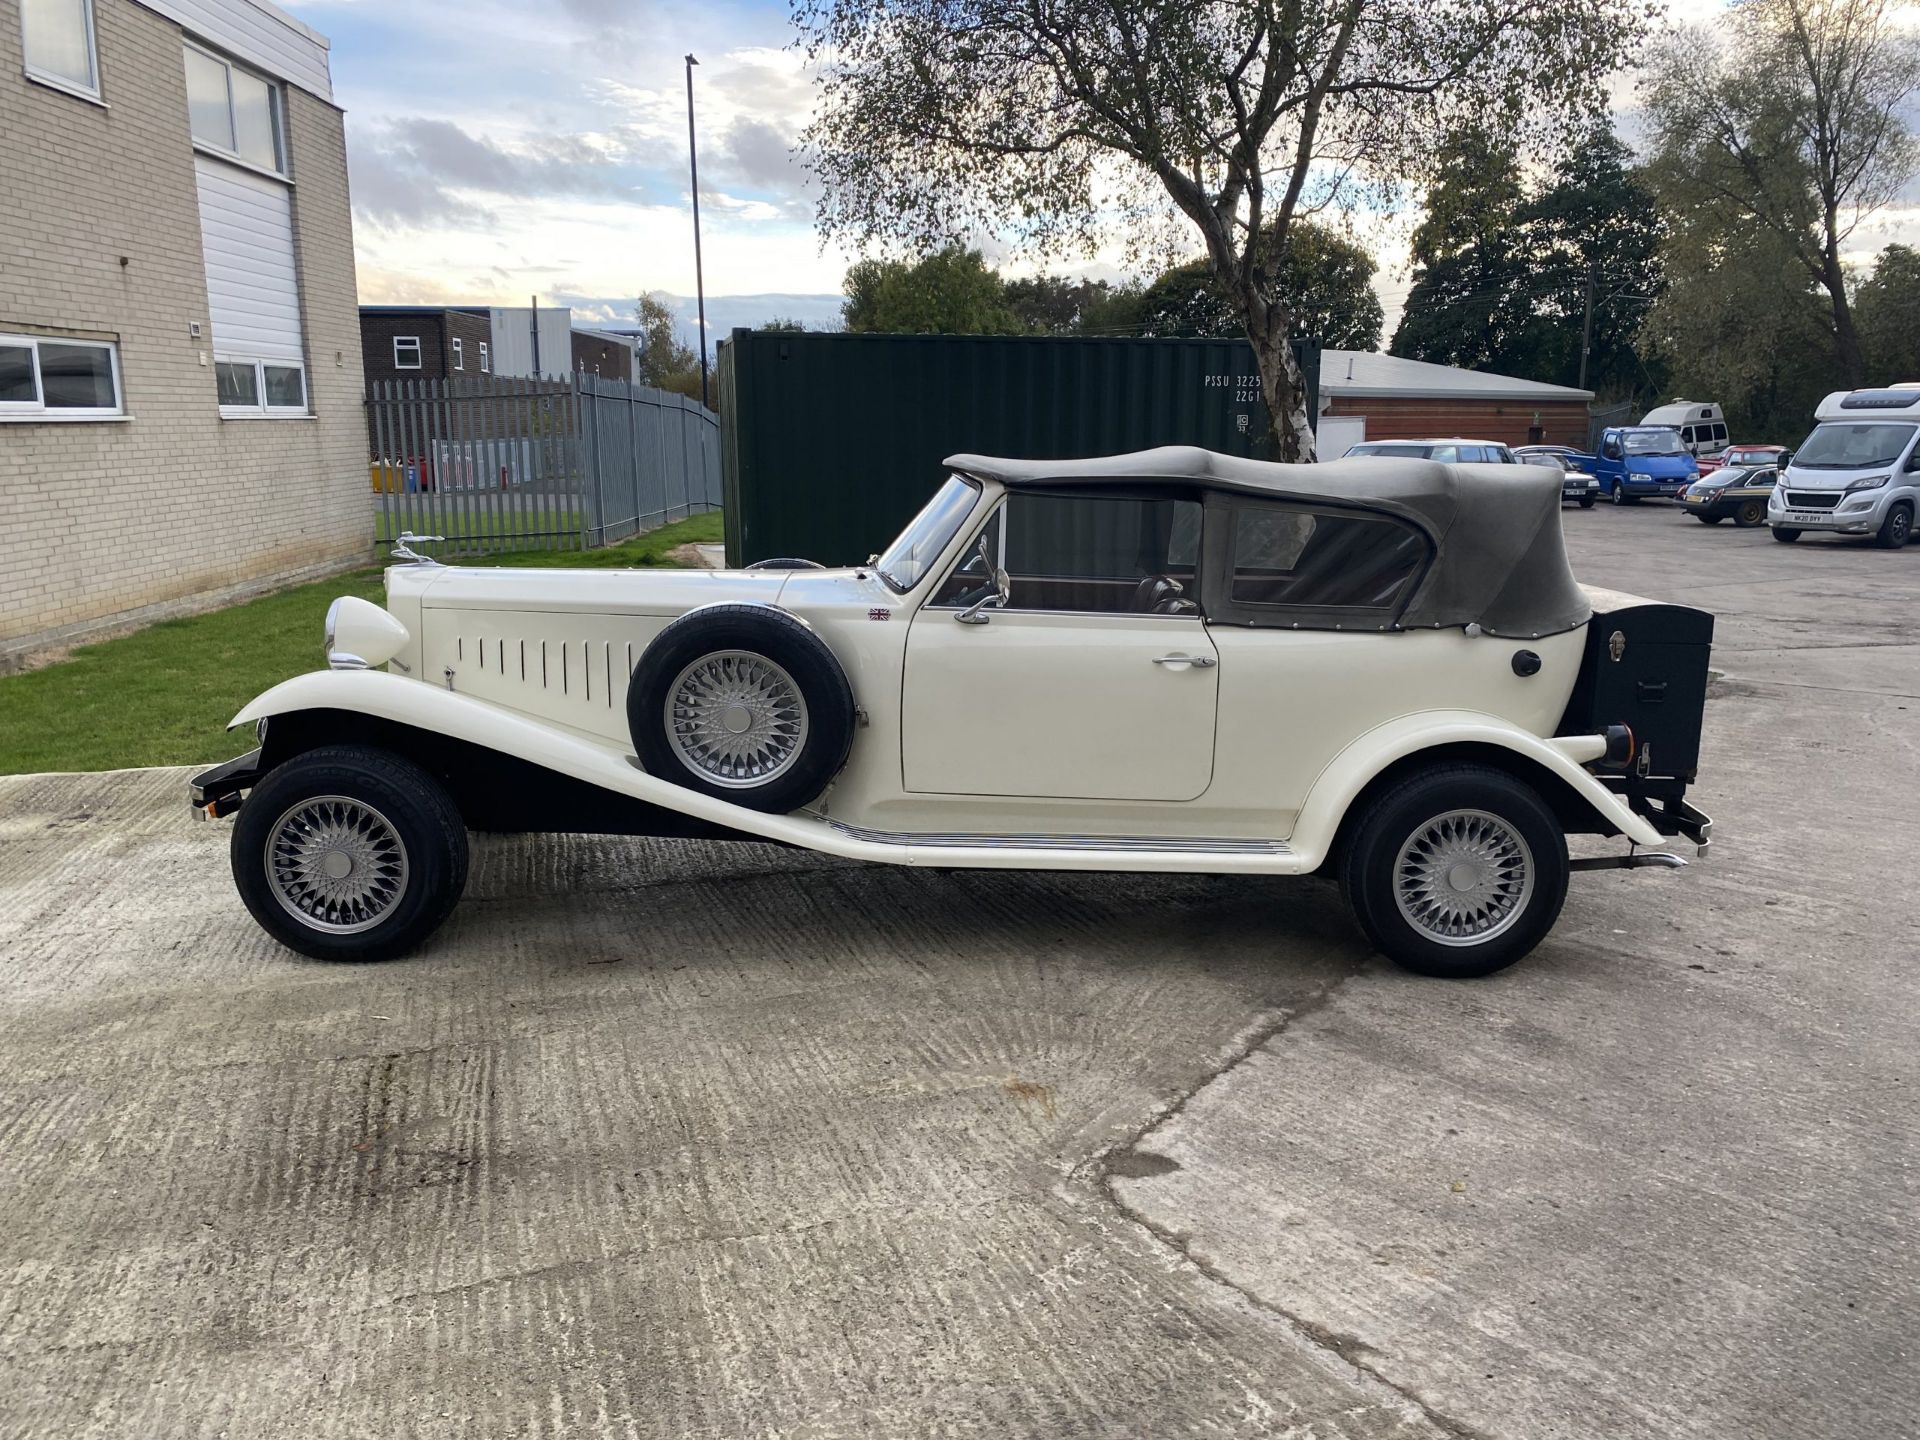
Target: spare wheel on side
744, 703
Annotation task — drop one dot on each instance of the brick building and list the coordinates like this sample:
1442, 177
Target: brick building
425, 342
180, 388
1384, 397
608, 354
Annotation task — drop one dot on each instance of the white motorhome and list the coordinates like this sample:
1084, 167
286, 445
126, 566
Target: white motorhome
1858, 473
1703, 428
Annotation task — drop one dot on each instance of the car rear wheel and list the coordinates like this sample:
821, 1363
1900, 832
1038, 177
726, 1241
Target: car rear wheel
1456, 872
1896, 529
743, 703
1784, 535
1750, 514
349, 853
1709, 519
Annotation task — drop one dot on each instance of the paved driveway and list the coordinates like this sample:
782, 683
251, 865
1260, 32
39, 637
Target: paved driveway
696, 1140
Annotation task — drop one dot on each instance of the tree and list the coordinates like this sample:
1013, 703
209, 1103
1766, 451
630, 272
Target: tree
665, 362
1467, 271
1513, 283
1324, 279
1888, 309
950, 292
785, 324
1789, 117
1042, 120
1055, 305
1740, 323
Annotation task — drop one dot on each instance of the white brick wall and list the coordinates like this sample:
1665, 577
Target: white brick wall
100, 234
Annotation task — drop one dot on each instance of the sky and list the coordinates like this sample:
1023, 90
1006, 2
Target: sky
541, 149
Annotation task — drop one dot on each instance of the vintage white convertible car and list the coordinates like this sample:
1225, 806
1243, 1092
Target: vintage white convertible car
1382, 671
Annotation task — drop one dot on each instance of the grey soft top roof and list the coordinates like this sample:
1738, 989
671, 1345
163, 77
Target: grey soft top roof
1499, 558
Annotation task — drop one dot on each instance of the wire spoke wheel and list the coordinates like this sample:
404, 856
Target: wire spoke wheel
1463, 877
736, 718
336, 864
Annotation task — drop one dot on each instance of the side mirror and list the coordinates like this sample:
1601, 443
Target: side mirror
1002, 590
1782, 460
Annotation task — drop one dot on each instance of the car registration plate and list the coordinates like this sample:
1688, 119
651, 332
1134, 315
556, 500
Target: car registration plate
1807, 517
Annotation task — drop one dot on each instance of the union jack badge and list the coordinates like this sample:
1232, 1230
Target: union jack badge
879, 613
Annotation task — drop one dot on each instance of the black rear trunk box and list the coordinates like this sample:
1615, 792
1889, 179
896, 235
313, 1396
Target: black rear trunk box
1645, 667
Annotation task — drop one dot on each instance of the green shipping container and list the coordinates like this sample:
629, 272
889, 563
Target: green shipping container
829, 443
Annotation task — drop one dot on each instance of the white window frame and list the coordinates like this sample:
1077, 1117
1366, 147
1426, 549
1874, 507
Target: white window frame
276, 106
37, 409
61, 82
459, 360
486, 359
419, 355
264, 411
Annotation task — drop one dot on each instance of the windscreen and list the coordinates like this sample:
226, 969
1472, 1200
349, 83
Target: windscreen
1852, 447
905, 562
1652, 442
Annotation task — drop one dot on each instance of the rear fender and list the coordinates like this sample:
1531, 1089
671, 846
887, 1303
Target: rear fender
1350, 772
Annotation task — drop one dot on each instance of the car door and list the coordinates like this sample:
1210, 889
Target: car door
1096, 680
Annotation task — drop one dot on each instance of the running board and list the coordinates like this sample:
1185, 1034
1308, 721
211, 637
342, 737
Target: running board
1117, 844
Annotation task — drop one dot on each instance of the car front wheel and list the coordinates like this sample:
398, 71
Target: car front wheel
1784, 535
1618, 495
1896, 529
1456, 872
349, 853
1750, 515
1586, 502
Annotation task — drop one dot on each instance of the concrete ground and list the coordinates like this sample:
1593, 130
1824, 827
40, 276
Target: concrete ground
686, 1140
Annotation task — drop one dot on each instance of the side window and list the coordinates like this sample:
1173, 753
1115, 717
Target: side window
1447, 454
1686, 435
1913, 461
57, 36
1719, 434
1300, 559
1096, 555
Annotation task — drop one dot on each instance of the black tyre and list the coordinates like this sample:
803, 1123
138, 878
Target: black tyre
1586, 502
743, 703
1751, 514
1456, 872
1784, 535
1709, 519
349, 853
1896, 529
1618, 495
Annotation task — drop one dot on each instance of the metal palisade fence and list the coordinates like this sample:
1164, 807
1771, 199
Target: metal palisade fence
496, 463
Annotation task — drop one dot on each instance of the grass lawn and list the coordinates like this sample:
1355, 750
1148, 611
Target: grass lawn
163, 695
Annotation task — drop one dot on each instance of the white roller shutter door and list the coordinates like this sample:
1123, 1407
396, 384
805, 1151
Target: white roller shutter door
253, 286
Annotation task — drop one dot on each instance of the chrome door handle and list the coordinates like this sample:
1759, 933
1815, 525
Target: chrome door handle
1199, 662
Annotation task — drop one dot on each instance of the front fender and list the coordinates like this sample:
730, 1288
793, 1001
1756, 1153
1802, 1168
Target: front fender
1355, 767
444, 712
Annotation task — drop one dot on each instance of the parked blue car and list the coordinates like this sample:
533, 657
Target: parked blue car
1635, 461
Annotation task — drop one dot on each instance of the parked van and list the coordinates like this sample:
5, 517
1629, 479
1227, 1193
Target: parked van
1858, 473
1703, 428
1640, 461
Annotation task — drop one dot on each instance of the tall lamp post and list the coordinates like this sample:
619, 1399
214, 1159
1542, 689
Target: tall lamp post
699, 280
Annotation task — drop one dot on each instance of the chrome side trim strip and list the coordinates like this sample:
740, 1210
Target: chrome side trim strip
1158, 843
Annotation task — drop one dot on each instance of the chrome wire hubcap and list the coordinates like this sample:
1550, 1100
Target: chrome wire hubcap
736, 718
1463, 877
336, 864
